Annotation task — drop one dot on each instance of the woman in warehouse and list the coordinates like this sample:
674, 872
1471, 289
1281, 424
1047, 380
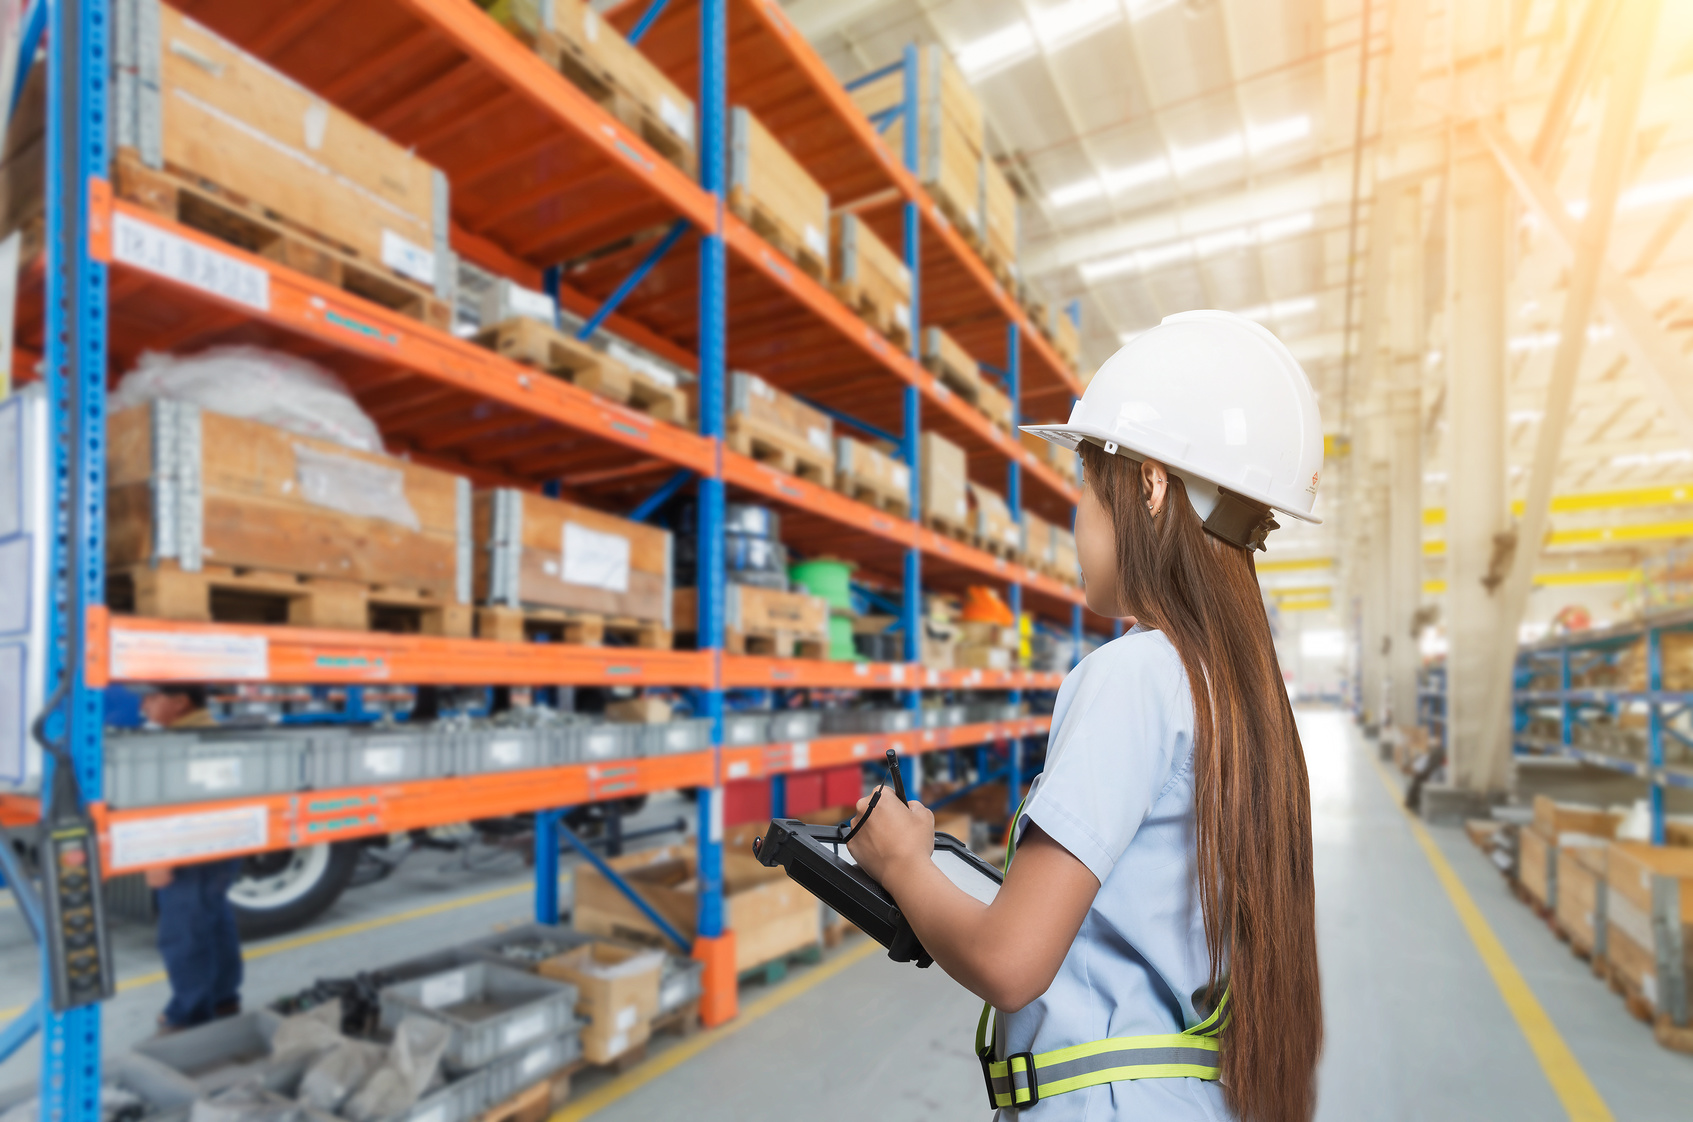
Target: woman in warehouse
1152, 953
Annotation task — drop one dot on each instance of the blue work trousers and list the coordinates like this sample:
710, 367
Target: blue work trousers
197, 939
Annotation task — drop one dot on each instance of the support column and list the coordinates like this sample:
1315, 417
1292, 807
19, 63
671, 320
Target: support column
1406, 332
1476, 509
1376, 629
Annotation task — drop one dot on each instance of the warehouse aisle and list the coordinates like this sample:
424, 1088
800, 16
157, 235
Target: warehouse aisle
1417, 1029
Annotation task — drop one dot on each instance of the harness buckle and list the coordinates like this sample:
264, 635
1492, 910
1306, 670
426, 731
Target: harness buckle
1034, 1079
986, 1058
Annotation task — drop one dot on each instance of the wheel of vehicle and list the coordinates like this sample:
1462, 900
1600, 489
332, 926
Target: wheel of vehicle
286, 889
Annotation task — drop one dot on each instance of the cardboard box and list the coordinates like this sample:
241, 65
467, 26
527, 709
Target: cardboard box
642, 711
1649, 923
970, 656
616, 989
951, 363
272, 500
950, 131
770, 191
765, 413
1037, 542
1066, 337
759, 611
980, 634
769, 914
861, 470
936, 653
541, 552
871, 278
1065, 563
1676, 650
992, 521
994, 405
944, 481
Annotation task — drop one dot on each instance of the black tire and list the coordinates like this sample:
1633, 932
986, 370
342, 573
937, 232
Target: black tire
284, 890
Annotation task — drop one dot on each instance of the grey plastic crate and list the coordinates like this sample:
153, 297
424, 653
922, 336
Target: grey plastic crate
499, 749
226, 1052
794, 724
521, 948
740, 729
510, 1074
152, 769
490, 1010
680, 982
462, 1099
868, 720
606, 742
385, 756
690, 735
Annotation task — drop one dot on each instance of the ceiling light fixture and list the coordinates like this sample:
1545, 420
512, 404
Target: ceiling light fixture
1114, 181
1148, 258
1009, 44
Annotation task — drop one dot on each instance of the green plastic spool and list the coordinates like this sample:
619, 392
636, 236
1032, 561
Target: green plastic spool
831, 580
840, 639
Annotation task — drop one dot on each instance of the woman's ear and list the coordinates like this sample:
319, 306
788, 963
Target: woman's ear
1154, 484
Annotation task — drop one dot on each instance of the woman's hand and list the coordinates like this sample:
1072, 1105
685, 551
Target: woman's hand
896, 837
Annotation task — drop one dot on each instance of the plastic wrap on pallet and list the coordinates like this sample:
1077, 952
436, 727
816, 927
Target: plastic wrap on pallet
740, 729
691, 735
528, 1008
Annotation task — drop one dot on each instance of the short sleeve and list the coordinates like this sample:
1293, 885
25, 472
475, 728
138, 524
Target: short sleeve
1121, 734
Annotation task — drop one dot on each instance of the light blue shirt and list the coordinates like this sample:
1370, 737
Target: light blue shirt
1117, 793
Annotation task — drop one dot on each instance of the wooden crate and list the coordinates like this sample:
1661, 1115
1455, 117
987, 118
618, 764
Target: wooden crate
770, 915
1066, 337
952, 364
231, 144
533, 343
1649, 932
542, 562
950, 132
763, 621
943, 486
1581, 896
773, 194
1037, 550
778, 429
872, 476
1066, 566
590, 52
870, 278
1676, 648
216, 517
994, 405
1537, 870
999, 222
992, 524
1554, 819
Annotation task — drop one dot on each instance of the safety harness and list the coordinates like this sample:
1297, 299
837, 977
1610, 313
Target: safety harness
1025, 1078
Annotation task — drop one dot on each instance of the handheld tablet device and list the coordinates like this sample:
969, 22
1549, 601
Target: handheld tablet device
816, 859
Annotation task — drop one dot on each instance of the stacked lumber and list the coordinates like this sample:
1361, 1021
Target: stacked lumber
213, 517
776, 428
870, 278
549, 568
572, 38
232, 148
868, 474
772, 193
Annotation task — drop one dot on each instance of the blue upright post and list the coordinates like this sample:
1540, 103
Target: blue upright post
715, 946
546, 866
778, 796
1655, 731
1075, 634
1565, 710
1014, 499
77, 67
911, 613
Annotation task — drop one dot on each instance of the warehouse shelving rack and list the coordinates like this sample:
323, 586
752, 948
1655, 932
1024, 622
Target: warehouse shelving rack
541, 175
1565, 657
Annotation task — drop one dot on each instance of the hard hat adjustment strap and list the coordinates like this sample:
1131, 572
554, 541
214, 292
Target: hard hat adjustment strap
1240, 521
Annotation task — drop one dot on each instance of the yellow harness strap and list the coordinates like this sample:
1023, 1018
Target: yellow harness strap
1025, 1078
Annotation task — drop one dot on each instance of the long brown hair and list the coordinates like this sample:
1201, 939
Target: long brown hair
1256, 889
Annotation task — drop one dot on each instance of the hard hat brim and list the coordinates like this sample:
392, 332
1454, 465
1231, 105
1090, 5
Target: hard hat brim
1069, 436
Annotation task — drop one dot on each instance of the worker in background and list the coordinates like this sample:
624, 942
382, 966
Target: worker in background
197, 937
1152, 953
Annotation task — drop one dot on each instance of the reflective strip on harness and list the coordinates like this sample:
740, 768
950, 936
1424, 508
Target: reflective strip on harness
1104, 1061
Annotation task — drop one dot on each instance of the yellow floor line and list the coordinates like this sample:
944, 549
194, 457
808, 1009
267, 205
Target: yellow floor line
265, 950
1580, 1098
603, 1096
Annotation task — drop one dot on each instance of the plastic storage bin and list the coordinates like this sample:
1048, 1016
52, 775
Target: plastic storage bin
226, 1052
868, 720
490, 1010
691, 735
794, 724
500, 749
606, 742
680, 982
509, 1075
152, 769
740, 729
390, 756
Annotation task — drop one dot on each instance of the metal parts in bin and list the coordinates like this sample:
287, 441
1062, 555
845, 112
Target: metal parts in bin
490, 1010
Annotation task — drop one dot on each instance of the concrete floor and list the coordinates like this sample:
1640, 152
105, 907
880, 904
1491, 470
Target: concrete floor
1416, 1027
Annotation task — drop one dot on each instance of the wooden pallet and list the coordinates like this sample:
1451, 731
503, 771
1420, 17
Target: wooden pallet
225, 594
876, 313
836, 932
202, 205
781, 450
567, 625
772, 972
769, 226
683, 1021
874, 492
994, 546
775, 644
532, 1104
533, 343
949, 529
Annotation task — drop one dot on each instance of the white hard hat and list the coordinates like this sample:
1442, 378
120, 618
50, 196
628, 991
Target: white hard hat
1220, 401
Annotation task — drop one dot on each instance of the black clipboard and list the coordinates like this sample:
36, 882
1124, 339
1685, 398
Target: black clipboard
816, 859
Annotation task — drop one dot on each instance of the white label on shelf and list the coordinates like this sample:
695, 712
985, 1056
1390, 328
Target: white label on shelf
819, 438
169, 255
860, 750
594, 559
678, 119
676, 738
739, 769
387, 760
524, 1029
407, 258
799, 756
672, 994
447, 989
902, 476
627, 1018
187, 656
898, 672
220, 773
815, 241
176, 838
506, 753
536, 1059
